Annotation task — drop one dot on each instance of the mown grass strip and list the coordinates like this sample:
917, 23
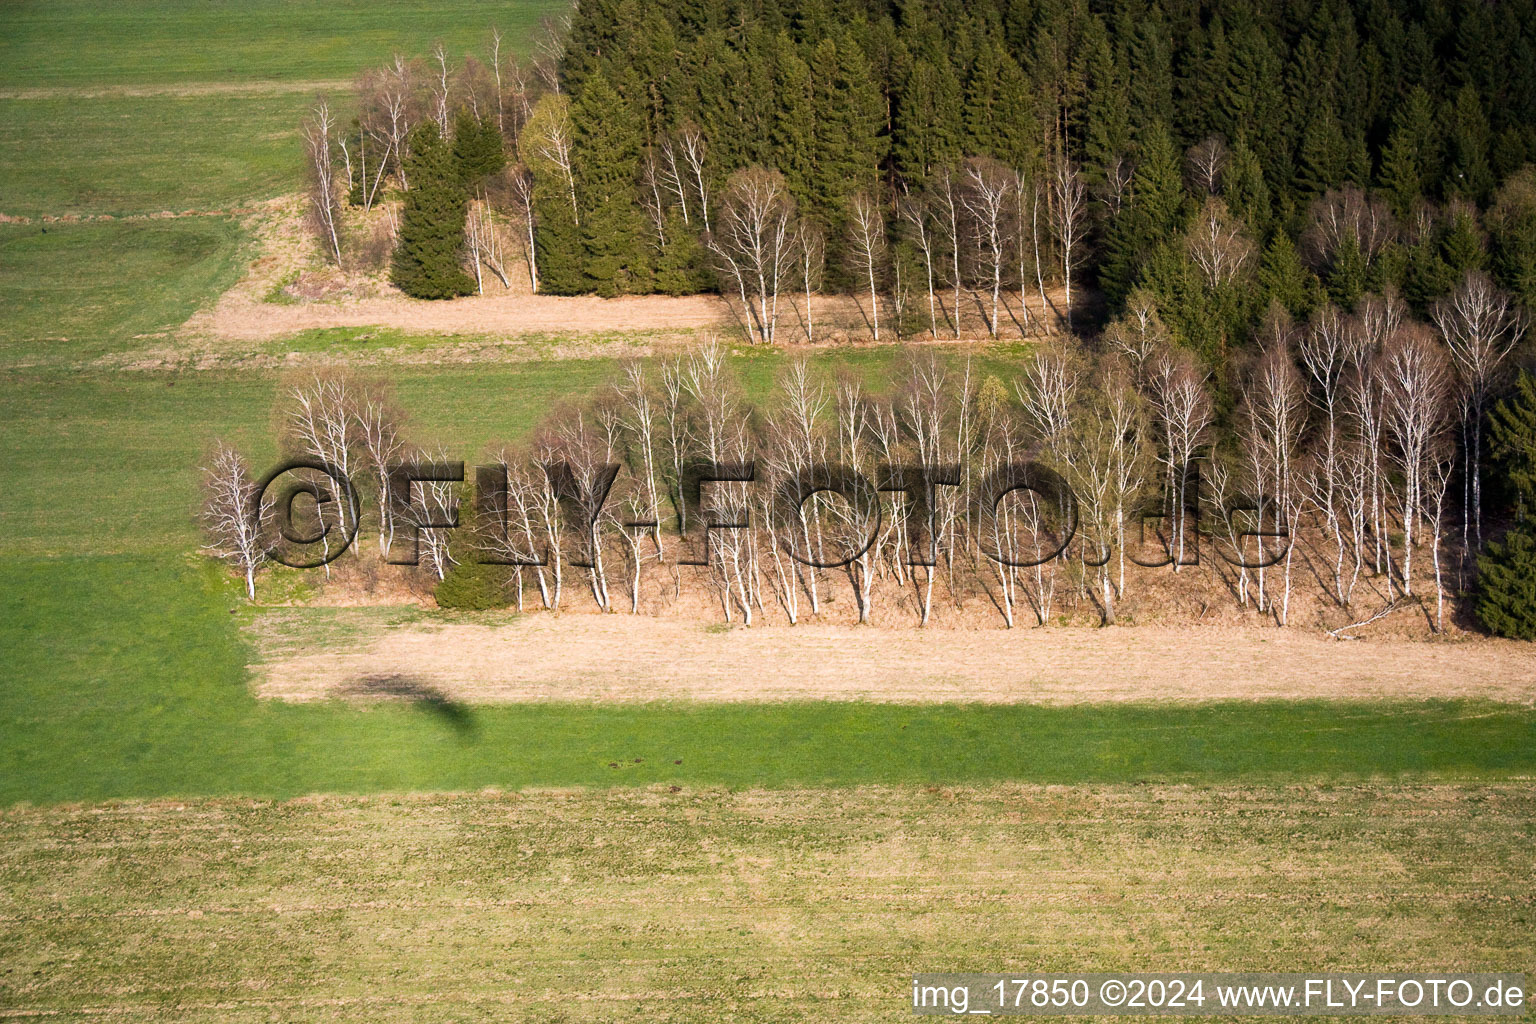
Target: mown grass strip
126, 677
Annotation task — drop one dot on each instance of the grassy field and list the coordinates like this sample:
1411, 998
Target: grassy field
73, 292
146, 695
122, 155
163, 849
706, 905
179, 105
81, 44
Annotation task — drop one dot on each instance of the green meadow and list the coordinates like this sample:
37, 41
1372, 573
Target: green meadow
82, 44
127, 678
125, 155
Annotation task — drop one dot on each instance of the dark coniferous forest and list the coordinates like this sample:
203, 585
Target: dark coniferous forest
1334, 149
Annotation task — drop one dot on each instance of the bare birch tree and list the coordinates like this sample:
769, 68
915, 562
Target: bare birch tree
1182, 413
323, 425
1480, 326
378, 422
1325, 349
754, 247
521, 181
1418, 381
694, 152
866, 249
324, 196
988, 188
235, 525
1217, 245
1069, 208
944, 196
1205, 163
914, 213
811, 246
440, 88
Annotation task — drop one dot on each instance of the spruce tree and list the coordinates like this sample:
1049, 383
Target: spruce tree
1506, 583
1106, 108
1244, 188
848, 137
478, 151
1156, 214
606, 143
428, 257
1283, 279
557, 237
792, 137
1462, 247
681, 267
1323, 161
557, 242
1346, 276
1426, 276
1506, 601
1512, 226
1512, 440
1468, 172
928, 119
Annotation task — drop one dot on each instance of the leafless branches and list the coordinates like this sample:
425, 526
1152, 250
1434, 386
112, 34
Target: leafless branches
324, 194
755, 246
235, 525
1480, 326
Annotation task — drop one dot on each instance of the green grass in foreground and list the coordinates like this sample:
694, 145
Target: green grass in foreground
126, 677
87, 43
706, 906
72, 292
145, 154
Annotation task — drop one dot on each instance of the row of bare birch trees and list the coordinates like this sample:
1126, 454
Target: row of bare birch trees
983, 233
1063, 479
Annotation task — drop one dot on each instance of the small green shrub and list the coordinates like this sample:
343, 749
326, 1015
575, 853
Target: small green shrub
475, 587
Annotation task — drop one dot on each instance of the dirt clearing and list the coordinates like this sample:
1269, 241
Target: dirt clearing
541, 657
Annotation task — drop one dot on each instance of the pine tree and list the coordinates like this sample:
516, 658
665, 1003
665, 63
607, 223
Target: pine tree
606, 142
1106, 110
1506, 602
1156, 214
1512, 225
1283, 279
681, 268
428, 257
1469, 173
1245, 190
